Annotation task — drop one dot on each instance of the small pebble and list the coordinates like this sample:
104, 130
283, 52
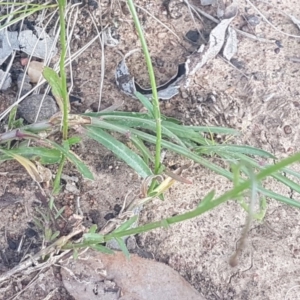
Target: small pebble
184, 94
29, 108
25, 85
287, 129
167, 104
193, 36
253, 20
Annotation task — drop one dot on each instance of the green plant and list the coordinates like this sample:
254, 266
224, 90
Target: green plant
140, 128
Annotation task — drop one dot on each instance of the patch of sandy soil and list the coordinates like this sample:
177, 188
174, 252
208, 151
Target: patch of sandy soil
258, 93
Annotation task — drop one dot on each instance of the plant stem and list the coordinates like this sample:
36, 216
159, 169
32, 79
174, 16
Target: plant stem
156, 109
62, 6
56, 185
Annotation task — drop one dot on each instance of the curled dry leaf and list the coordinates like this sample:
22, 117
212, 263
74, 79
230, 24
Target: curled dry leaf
45, 173
127, 84
230, 47
206, 53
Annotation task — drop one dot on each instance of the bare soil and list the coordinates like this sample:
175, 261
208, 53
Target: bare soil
258, 93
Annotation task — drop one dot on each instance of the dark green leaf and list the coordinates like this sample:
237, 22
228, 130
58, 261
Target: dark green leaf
54, 81
93, 228
102, 249
143, 123
144, 151
45, 155
122, 246
54, 235
208, 198
219, 149
126, 224
82, 168
74, 140
58, 214
75, 254
120, 150
93, 238
145, 101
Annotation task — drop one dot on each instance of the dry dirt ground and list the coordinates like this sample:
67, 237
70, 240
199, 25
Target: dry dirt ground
259, 94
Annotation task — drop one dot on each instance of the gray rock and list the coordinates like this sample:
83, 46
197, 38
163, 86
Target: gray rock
8, 43
38, 44
29, 108
5, 80
24, 84
253, 20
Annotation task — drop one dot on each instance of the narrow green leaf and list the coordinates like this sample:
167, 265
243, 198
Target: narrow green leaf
165, 224
75, 254
142, 123
292, 172
102, 249
120, 150
126, 224
208, 198
219, 149
74, 140
213, 129
51, 203
122, 246
12, 117
54, 81
45, 155
48, 234
93, 228
281, 198
82, 168
38, 224
93, 238
138, 143
145, 101
119, 114
219, 170
55, 235
281, 178
58, 214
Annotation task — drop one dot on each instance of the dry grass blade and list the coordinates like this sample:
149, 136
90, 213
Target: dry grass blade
101, 41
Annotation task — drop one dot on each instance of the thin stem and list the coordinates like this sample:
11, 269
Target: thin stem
62, 6
156, 109
56, 184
